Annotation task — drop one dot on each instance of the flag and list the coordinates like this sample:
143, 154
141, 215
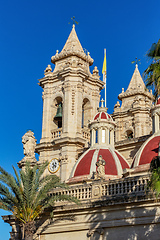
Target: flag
104, 69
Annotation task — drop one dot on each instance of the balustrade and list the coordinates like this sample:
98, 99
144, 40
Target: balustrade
107, 189
56, 133
86, 133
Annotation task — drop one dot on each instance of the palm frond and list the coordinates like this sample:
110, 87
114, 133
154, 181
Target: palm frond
27, 194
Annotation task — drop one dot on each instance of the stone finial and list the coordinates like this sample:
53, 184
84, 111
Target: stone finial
117, 105
48, 69
57, 52
102, 101
102, 108
122, 90
95, 71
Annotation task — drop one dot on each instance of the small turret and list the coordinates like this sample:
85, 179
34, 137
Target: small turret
102, 127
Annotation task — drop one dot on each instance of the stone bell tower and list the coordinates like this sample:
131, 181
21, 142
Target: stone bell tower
71, 92
133, 117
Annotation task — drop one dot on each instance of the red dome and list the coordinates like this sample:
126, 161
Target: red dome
147, 152
103, 115
86, 165
158, 101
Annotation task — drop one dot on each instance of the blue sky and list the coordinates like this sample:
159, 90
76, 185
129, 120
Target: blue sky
32, 31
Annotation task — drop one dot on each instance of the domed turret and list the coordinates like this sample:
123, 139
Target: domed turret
102, 127
147, 152
101, 160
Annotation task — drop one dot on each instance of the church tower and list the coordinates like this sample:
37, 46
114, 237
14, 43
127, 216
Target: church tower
133, 117
70, 99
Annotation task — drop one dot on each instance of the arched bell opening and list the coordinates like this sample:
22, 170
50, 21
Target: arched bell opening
58, 112
86, 112
129, 134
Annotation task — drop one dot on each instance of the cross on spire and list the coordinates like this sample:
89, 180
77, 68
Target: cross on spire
74, 21
102, 101
136, 61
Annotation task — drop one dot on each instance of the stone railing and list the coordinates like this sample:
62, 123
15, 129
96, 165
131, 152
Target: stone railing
86, 133
107, 189
56, 133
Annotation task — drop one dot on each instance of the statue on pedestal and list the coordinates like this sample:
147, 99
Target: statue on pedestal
100, 173
29, 144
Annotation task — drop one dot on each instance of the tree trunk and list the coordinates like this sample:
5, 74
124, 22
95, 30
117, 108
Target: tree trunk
29, 237
29, 229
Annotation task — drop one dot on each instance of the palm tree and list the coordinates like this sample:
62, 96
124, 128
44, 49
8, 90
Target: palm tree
26, 195
154, 181
152, 73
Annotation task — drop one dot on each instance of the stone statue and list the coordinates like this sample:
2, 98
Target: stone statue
100, 173
29, 144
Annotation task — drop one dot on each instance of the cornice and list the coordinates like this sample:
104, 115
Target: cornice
135, 92
131, 141
73, 52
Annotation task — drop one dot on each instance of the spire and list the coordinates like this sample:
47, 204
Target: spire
136, 82
72, 47
136, 86
73, 42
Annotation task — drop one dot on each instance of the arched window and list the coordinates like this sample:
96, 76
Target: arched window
82, 117
58, 112
96, 139
109, 140
103, 135
86, 112
129, 134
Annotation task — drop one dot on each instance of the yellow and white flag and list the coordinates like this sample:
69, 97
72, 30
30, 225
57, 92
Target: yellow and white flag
104, 69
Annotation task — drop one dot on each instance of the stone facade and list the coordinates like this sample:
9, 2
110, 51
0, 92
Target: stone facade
71, 84
133, 118
77, 132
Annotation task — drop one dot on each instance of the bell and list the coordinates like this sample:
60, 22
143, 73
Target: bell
58, 116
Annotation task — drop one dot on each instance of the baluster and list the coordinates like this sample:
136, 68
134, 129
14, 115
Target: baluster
125, 187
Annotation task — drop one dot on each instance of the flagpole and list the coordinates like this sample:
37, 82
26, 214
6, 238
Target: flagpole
105, 80
104, 72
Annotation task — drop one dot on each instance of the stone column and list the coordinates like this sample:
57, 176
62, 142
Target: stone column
112, 137
100, 135
107, 136
156, 120
93, 137
46, 134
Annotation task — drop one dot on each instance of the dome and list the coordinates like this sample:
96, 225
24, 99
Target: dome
102, 116
158, 101
147, 151
86, 164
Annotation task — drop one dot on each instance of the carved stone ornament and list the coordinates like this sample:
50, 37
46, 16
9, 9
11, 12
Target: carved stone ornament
100, 173
47, 70
29, 144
